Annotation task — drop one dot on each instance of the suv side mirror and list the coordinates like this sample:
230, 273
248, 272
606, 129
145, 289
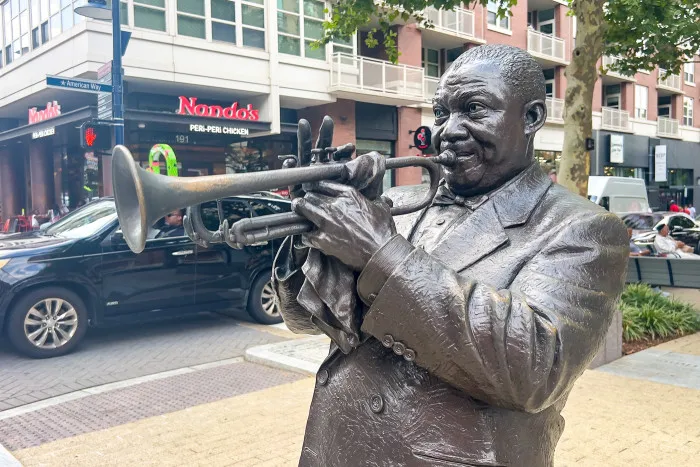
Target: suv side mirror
117, 237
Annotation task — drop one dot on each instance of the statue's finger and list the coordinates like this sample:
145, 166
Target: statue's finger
304, 142
325, 133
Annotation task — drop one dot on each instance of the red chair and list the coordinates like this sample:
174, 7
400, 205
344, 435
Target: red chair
23, 224
6, 226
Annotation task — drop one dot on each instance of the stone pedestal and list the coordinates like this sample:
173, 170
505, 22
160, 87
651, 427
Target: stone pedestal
612, 345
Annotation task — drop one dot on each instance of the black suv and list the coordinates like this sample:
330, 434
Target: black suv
79, 272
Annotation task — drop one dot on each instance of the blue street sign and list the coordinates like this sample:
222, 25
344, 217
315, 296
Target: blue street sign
82, 85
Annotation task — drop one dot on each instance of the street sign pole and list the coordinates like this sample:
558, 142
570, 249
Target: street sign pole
117, 76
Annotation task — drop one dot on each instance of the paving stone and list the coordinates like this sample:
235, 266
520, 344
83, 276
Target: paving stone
148, 399
659, 365
110, 355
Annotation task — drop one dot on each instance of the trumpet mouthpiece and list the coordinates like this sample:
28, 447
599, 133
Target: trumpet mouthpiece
447, 157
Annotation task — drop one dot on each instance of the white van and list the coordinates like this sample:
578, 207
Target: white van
619, 194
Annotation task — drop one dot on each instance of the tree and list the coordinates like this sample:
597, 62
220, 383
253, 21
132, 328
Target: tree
645, 34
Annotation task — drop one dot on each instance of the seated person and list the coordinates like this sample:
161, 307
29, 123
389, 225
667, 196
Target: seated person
635, 250
173, 225
667, 245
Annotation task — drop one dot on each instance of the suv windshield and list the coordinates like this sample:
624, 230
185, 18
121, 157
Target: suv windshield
86, 221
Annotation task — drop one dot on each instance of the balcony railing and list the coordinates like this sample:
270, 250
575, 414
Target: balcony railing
608, 61
614, 119
668, 127
430, 85
671, 81
356, 74
555, 109
458, 21
546, 46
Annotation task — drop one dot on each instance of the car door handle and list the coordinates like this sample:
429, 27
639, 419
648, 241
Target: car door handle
183, 252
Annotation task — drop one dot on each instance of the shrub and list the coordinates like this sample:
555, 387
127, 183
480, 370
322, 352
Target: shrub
647, 314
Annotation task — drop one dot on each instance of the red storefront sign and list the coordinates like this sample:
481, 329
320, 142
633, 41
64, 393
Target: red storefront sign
52, 110
189, 106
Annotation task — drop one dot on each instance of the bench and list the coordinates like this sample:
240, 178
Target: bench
670, 272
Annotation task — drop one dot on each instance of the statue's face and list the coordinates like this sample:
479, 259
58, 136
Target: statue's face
481, 119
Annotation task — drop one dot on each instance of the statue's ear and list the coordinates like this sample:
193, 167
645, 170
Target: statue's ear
535, 116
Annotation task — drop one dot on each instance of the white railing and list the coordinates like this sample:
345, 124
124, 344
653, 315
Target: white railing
608, 61
430, 85
364, 74
671, 81
545, 45
555, 109
458, 21
668, 127
614, 119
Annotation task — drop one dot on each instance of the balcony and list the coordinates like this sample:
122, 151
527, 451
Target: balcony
555, 110
548, 50
616, 120
668, 85
451, 28
668, 128
370, 80
614, 77
430, 85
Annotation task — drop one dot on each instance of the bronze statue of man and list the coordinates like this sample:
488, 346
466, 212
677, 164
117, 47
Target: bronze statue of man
477, 313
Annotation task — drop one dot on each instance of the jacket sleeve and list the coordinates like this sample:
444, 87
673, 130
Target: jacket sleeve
287, 279
520, 348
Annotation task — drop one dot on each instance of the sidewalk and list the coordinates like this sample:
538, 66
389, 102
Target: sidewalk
615, 416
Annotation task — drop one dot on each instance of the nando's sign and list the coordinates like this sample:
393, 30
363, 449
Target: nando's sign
52, 110
189, 106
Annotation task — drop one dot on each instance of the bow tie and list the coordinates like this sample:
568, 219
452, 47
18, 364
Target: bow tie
446, 197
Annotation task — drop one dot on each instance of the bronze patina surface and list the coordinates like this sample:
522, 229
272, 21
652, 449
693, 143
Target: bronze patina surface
459, 330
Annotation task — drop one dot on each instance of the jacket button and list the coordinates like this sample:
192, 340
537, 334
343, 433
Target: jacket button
372, 297
409, 355
387, 341
322, 377
399, 348
376, 403
440, 221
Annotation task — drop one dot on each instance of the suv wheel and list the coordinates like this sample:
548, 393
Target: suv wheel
263, 304
47, 322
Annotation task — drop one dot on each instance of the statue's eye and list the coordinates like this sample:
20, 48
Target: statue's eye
475, 107
439, 113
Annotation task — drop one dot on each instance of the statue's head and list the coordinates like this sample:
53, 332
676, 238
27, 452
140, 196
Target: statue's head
488, 107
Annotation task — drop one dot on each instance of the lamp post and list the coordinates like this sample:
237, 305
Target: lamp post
98, 9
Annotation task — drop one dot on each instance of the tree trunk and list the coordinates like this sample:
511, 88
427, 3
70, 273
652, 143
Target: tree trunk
581, 76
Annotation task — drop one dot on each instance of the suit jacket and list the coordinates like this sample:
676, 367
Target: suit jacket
474, 346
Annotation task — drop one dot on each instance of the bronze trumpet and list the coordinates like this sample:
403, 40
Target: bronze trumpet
143, 197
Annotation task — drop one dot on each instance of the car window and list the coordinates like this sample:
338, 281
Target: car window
638, 221
264, 208
234, 210
625, 204
85, 221
682, 222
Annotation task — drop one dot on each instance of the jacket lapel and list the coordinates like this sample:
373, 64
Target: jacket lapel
483, 231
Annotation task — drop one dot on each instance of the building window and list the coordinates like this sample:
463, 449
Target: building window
664, 106
190, 18
503, 23
688, 111
431, 62
549, 82
297, 19
689, 73
641, 101
451, 55
223, 21
611, 97
545, 22
148, 14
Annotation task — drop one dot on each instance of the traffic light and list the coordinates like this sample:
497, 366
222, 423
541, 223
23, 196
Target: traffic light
97, 136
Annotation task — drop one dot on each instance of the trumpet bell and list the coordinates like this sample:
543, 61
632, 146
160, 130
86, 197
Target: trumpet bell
128, 195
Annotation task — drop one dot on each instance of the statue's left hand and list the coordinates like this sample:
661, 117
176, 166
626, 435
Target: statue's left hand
348, 225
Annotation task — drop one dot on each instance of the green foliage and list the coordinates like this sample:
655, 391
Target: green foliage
647, 314
644, 33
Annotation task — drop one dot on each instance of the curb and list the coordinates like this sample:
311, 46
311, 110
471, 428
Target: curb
286, 355
7, 459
